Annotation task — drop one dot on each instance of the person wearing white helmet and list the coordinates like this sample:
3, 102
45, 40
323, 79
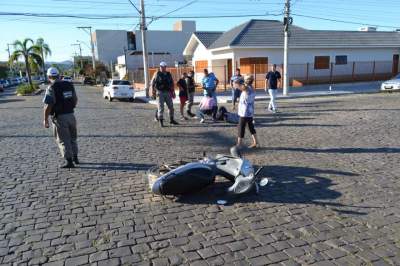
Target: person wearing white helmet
60, 101
162, 85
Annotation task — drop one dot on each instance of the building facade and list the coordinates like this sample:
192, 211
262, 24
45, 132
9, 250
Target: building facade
314, 56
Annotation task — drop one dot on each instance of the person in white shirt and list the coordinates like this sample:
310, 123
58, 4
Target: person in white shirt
246, 111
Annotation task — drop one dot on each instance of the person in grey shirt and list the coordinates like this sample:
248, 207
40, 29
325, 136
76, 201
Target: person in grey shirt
60, 101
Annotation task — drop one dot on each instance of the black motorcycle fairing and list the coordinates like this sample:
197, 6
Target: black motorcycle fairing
184, 179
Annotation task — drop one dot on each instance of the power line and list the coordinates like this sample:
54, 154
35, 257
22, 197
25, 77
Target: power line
96, 17
170, 12
135, 6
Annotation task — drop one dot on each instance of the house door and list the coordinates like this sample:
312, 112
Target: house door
395, 68
229, 69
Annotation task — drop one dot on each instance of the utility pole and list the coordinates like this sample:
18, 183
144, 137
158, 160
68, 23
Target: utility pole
92, 45
126, 63
287, 21
143, 29
9, 56
80, 52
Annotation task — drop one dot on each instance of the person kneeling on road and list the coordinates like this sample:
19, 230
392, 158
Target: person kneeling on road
207, 106
60, 101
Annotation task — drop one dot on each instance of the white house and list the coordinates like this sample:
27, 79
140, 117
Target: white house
315, 55
165, 46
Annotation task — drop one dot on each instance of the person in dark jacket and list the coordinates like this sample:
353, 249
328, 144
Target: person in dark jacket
183, 94
163, 85
191, 86
60, 101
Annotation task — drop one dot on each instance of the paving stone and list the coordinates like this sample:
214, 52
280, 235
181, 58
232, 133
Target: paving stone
102, 255
261, 260
81, 260
109, 262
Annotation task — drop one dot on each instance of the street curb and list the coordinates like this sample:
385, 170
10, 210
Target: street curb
153, 102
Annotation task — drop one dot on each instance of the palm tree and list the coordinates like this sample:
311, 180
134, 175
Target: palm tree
44, 51
28, 53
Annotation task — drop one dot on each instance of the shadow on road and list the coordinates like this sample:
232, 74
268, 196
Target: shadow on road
335, 150
11, 100
288, 185
115, 166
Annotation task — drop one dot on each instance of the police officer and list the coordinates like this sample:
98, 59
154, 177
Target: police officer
163, 84
60, 100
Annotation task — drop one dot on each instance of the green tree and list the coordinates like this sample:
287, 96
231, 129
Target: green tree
3, 71
44, 51
28, 51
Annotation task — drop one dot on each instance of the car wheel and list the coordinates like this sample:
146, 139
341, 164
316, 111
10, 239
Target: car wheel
131, 100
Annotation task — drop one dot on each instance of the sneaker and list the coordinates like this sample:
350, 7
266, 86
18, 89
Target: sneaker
190, 114
184, 118
68, 164
202, 120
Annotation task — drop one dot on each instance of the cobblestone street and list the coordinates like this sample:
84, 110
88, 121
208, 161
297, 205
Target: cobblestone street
333, 196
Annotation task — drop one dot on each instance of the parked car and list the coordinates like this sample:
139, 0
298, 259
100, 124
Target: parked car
392, 84
1, 87
66, 78
119, 89
4, 83
88, 81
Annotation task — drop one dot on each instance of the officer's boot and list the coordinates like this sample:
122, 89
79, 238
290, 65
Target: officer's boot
76, 161
68, 164
161, 122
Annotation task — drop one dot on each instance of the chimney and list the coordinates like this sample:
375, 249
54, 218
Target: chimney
185, 26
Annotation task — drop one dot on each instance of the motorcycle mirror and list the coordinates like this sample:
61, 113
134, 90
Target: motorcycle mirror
264, 182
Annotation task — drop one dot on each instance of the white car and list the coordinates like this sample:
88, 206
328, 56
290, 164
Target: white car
66, 78
119, 89
393, 84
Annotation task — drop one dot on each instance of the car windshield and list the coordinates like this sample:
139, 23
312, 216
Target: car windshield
121, 82
397, 77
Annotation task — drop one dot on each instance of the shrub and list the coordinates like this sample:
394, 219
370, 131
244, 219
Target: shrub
24, 89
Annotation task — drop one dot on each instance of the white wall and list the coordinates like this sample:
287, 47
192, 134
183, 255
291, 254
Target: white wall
299, 57
201, 53
173, 42
110, 44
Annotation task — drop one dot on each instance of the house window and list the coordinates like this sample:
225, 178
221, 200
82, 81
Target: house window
201, 65
341, 60
131, 40
321, 62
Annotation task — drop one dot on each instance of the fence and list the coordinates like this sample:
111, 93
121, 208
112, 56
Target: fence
299, 74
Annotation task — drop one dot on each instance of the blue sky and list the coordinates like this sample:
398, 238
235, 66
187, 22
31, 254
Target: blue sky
60, 33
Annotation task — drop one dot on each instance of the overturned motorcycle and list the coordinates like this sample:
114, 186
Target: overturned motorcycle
184, 178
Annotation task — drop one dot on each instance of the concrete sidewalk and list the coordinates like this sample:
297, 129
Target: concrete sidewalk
306, 91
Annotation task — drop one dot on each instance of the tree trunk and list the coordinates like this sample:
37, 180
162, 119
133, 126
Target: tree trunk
28, 71
44, 67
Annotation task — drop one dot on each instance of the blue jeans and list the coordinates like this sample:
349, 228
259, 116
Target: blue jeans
213, 112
